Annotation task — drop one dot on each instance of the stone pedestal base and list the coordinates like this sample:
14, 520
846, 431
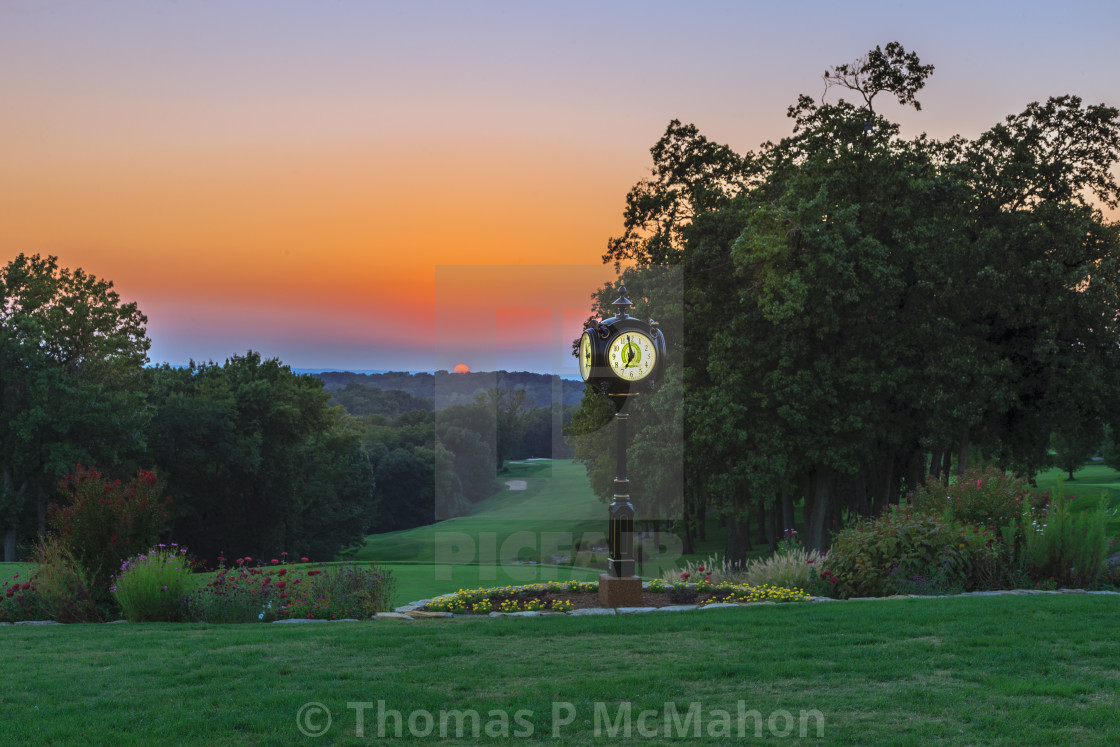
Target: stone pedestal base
619, 592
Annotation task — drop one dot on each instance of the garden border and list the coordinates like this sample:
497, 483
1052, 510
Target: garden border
414, 611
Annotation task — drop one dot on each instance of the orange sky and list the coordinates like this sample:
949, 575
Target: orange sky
295, 177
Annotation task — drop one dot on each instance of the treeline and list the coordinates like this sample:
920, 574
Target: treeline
256, 459
863, 311
443, 389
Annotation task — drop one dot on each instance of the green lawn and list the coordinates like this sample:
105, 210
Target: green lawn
1090, 482
512, 537
556, 499
415, 581
9, 570
977, 670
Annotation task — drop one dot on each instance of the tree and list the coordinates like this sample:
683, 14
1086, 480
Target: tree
469, 434
893, 70
71, 357
690, 175
1074, 445
856, 302
507, 407
257, 462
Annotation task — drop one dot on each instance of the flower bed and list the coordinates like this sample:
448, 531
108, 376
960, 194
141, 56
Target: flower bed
558, 596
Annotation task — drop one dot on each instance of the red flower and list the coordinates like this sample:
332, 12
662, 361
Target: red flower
274, 561
303, 560
281, 572
685, 575
314, 573
248, 559
281, 584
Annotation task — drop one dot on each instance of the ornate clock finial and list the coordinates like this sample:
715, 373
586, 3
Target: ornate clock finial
622, 302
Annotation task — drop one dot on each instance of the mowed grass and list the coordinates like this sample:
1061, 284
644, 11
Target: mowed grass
416, 581
8, 571
1089, 484
556, 499
977, 670
510, 538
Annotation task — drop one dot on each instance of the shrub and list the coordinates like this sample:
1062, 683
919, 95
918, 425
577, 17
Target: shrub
873, 558
21, 600
103, 522
364, 590
791, 567
989, 498
1067, 546
153, 586
252, 593
715, 569
242, 593
65, 590
1109, 578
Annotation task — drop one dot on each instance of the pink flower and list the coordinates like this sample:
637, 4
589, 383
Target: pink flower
303, 560
274, 561
685, 575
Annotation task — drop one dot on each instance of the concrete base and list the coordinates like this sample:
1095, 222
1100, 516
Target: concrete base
619, 592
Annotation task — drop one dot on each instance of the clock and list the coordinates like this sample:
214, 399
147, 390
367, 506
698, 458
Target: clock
632, 355
585, 355
621, 355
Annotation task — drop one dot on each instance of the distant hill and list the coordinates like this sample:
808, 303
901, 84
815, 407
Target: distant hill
443, 389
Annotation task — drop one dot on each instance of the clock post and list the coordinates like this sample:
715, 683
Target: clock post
621, 356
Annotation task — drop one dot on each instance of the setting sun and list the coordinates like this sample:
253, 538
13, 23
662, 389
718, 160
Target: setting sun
462, 368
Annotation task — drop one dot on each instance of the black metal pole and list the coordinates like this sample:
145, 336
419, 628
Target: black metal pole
620, 564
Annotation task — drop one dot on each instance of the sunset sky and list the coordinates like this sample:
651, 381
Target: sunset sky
412, 185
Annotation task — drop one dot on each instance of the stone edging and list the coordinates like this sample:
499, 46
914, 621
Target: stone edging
413, 611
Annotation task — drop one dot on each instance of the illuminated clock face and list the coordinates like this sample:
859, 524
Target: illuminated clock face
632, 356
585, 356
